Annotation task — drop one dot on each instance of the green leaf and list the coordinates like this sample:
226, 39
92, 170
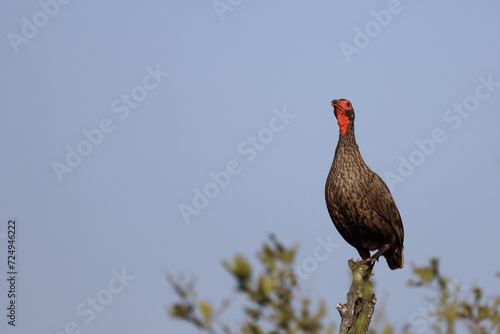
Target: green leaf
478, 294
426, 275
241, 269
206, 311
387, 330
483, 312
254, 314
465, 310
266, 285
451, 315
178, 311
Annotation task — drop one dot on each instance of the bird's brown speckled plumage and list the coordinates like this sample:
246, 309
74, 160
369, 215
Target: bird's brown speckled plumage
359, 202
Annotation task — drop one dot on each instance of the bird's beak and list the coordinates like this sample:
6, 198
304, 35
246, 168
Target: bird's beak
336, 107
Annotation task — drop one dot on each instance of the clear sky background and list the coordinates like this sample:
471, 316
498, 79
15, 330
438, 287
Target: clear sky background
179, 92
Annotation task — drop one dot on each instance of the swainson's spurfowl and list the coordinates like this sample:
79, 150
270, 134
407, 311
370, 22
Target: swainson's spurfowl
359, 202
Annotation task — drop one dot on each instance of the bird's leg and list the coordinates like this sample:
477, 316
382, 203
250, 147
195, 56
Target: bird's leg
365, 254
379, 253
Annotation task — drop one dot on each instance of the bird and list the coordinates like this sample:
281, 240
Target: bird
359, 202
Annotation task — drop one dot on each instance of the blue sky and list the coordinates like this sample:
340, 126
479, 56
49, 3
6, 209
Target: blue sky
116, 117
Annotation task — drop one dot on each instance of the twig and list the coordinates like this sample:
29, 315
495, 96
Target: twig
357, 313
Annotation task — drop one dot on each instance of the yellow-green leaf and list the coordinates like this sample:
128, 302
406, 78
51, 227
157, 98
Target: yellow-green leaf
451, 315
178, 311
483, 313
242, 268
387, 330
206, 311
266, 285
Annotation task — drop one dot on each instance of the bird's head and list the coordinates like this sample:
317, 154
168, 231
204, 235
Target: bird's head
344, 113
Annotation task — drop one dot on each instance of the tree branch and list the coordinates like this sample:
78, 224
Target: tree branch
357, 313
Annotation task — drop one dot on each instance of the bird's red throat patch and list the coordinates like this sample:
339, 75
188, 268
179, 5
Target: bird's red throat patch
343, 121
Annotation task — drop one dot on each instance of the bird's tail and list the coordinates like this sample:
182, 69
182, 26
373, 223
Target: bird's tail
395, 258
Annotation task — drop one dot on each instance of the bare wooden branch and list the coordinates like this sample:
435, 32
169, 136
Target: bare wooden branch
357, 313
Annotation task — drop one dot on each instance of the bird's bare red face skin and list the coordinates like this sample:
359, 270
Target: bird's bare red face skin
340, 107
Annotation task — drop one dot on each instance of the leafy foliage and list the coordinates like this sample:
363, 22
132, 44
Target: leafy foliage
272, 306
478, 314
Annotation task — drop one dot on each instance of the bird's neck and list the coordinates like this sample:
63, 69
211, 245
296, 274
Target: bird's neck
346, 135
347, 148
343, 121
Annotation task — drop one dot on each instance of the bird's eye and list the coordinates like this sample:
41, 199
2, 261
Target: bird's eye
348, 105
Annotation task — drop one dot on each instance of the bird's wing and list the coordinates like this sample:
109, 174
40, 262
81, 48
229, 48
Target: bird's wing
383, 203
